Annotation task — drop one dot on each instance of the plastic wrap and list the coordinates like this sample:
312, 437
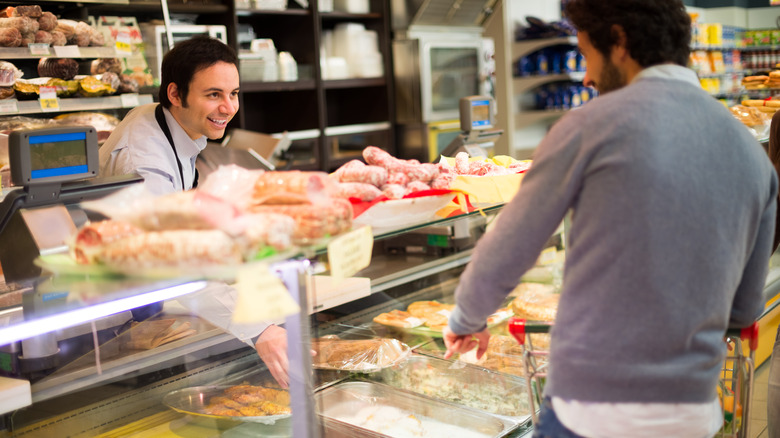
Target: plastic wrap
462, 384
8, 74
357, 355
314, 221
293, 187
535, 301
232, 184
756, 120
429, 318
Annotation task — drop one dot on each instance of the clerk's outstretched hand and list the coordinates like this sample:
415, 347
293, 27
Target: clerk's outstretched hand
465, 343
271, 346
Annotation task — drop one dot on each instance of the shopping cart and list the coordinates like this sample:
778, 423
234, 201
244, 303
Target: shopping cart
735, 386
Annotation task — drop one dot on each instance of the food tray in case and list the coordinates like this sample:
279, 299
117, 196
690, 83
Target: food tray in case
193, 401
461, 383
358, 408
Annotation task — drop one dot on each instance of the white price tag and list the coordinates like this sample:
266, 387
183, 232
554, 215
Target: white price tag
9, 106
129, 100
351, 252
124, 43
48, 99
67, 51
261, 296
38, 49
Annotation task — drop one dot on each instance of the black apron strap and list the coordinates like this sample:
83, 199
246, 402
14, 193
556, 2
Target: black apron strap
160, 116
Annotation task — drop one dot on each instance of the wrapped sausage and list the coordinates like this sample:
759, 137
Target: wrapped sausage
394, 191
28, 38
32, 11
102, 65
314, 221
43, 37
63, 68
58, 38
8, 74
443, 181
293, 187
47, 22
10, 37
359, 190
94, 235
22, 24
374, 175
417, 186
67, 27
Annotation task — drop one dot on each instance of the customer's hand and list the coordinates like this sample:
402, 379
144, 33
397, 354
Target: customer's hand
465, 343
271, 346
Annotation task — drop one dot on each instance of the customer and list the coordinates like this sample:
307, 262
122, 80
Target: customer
773, 395
198, 97
673, 212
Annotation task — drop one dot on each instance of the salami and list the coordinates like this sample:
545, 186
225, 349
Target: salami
417, 186
394, 191
374, 175
313, 221
398, 178
94, 235
358, 190
293, 187
443, 181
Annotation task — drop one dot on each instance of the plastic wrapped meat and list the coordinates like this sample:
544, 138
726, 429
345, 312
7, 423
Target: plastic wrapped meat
91, 238
63, 68
294, 187
314, 221
358, 190
103, 123
8, 74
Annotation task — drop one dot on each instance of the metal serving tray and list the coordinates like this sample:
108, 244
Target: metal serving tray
358, 408
193, 401
461, 383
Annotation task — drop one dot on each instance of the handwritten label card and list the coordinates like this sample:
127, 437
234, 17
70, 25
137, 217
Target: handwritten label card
350, 253
38, 49
67, 51
48, 99
123, 44
261, 296
9, 106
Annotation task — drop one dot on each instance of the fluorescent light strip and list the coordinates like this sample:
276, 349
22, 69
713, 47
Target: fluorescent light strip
29, 329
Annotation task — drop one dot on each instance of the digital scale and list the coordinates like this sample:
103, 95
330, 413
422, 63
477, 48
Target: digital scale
477, 119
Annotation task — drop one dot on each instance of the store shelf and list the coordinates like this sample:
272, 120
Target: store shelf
357, 129
249, 12
354, 83
255, 86
521, 48
349, 16
528, 82
76, 104
62, 52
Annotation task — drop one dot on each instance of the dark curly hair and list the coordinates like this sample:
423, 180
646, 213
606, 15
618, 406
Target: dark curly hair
187, 58
657, 31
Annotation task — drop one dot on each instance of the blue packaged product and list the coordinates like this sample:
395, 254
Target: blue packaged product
541, 98
565, 97
524, 66
570, 63
581, 63
585, 94
542, 64
574, 95
555, 62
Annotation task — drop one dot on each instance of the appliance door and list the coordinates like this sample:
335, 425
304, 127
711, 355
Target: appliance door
449, 70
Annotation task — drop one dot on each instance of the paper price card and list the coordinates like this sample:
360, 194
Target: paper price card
67, 51
129, 100
9, 106
261, 296
123, 43
48, 99
38, 49
350, 253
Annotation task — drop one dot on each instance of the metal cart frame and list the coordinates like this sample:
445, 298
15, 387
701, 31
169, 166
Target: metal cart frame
735, 383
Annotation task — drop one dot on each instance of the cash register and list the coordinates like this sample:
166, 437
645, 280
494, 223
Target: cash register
477, 122
52, 171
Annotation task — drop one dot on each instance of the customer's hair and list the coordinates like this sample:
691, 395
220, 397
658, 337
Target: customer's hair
657, 31
189, 57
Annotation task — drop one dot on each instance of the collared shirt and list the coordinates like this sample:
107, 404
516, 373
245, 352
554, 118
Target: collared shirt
639, 420
139, 145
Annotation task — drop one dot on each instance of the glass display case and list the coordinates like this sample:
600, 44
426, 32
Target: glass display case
111, 356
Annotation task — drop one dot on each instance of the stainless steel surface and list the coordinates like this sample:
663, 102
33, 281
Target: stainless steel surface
345, 399
440, 12
194, 401
461, 383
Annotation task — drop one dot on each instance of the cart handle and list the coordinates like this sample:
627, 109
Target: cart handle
519, 327
751, 334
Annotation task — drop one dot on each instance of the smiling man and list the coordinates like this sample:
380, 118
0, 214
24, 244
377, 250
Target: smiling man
198, 97
672, 207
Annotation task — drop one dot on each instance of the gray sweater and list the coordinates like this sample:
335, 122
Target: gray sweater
673, 206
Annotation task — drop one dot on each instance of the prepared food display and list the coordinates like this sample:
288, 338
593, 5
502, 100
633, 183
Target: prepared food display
535, 301
27, 24
429, 317
242, 402
465, 385
363, 355
352, 408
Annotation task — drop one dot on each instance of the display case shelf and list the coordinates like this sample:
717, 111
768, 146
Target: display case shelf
256, 86
74, 104
530, 82
248, 12
62, 52
524, 47
354, 83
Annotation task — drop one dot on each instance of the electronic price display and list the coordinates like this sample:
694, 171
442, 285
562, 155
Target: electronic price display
53, 155
477, 113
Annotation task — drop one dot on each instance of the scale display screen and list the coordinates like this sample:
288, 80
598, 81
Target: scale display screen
58, 154
477, 113
53, 155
